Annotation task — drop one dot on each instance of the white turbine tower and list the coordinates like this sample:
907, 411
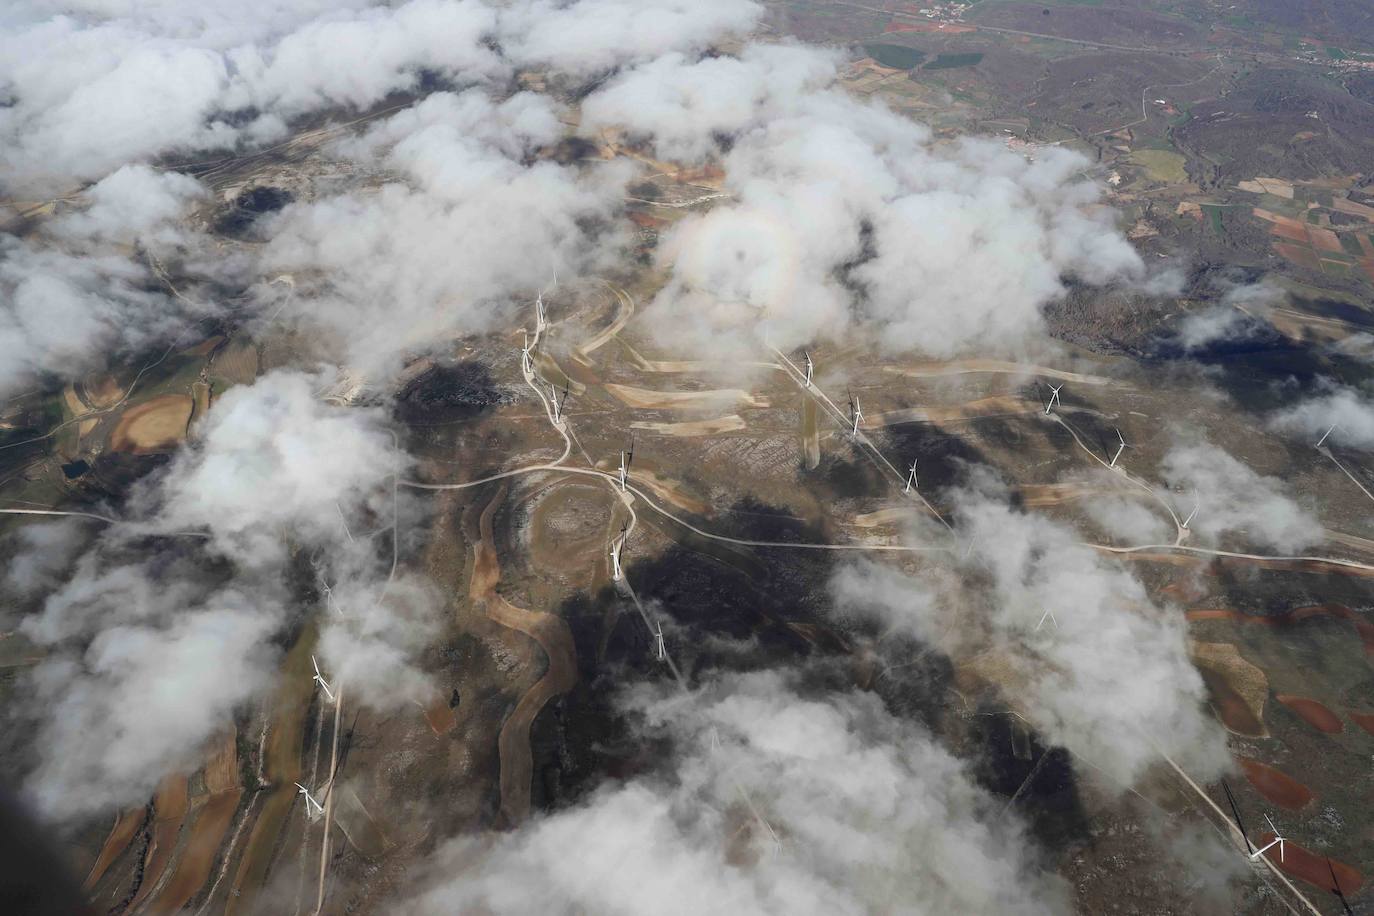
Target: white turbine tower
1325, 434
527, 358
310, 803
1050, 615
659, 645
329, 597
1278, 840
319, 679
1119, 449
624, 471
616, 547
556, 405
1197, 503
810, 368
911, 477
539, 320
858, 416
1054, 399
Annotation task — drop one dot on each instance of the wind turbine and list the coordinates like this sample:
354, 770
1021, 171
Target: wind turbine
526, 359
329, 599
319, 679
616, 547
625, 459
1119, 449
1325, 434
1197, 503
556, 403
810, 367
858, 415
309, 801
911, 477
539, 320
1048, 614
1054, 398
658, 641
1278, 839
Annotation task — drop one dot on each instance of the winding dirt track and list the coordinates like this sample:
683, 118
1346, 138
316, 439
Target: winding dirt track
552, 635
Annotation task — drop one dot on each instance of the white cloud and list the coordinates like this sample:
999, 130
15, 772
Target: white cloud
588, 36
1066, 678
1234, 499
873, 816
1351, 412
273, 458
847, 216
413, 265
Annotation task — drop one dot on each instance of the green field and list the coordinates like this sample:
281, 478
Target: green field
1162, 165
951, 61
898, 56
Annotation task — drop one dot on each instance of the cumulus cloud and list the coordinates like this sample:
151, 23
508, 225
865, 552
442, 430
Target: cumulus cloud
847, 215
685, 106
112, 85
1128, 520
588, 36
1349, 411
144, 667
1234, 499
414, 264
153, 644
870, 813
1064, 678
75, 294
1240, 315
272, 458
40, 553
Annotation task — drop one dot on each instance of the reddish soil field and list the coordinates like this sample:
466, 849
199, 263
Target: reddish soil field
1313, 868
1314, 713
1303, 257
439, 716
1364, 720
169, 809
1362, 627
1275, 785
118, 840
199, 855
1231, 707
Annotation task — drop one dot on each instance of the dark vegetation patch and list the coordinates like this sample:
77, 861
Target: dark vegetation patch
718, 614
899, 57
953, 61
248, 207
446, 392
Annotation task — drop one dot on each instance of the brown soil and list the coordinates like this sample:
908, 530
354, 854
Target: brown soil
552, 635
169, 810
206, 835
1364, 720
439, 716
1230, 707
995, 406
683, 400
125, 826
1313, 868
1276, 786
730, 423
1238, 689
1314, 713
153, 426
1340, 611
